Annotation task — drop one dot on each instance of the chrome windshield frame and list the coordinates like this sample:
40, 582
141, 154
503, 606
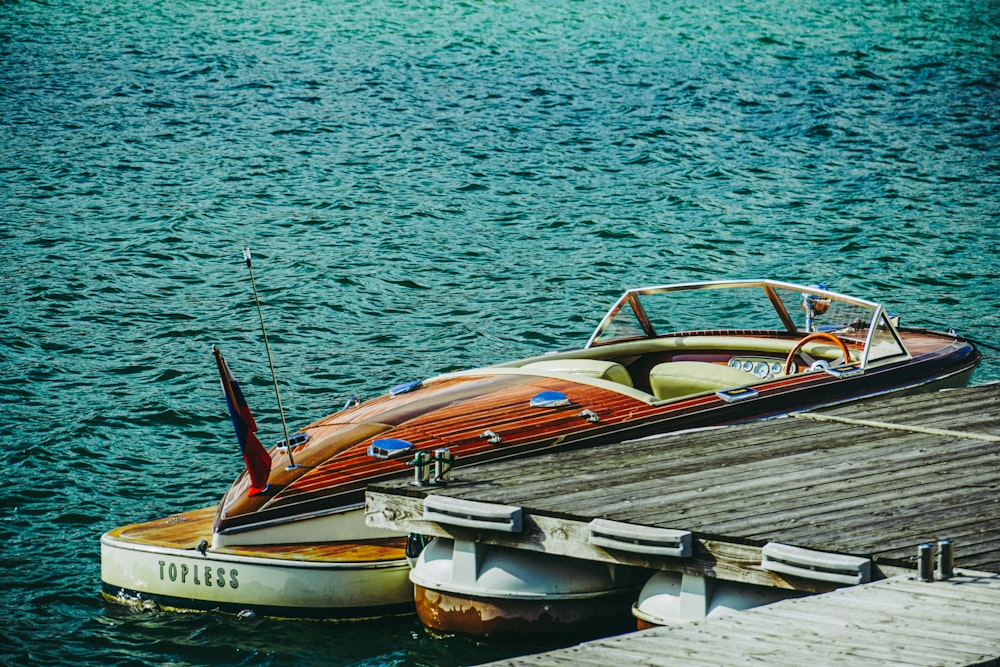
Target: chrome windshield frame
770, 287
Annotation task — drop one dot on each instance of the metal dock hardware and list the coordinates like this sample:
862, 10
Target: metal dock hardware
945, 560
442, 460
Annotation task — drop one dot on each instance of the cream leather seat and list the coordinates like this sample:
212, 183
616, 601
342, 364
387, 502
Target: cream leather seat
683, 378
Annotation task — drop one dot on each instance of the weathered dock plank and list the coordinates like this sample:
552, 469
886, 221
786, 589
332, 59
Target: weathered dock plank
898, 621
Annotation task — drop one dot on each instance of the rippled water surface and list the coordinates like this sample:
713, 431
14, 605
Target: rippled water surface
426, 186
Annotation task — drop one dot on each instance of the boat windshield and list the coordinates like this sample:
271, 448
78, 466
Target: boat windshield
748, 308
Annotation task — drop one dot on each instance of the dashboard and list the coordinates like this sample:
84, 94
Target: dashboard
761, 367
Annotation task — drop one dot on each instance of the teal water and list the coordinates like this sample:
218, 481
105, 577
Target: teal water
426, 186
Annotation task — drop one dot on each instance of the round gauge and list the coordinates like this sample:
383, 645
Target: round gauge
776, 368
734, 363
761, 370
748, 366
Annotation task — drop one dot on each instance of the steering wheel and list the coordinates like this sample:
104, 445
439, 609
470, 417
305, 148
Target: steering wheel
819, 335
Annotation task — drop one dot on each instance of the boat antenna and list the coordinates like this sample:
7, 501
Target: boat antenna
277, 394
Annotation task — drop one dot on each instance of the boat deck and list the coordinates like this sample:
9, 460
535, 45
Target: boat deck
187, 529
898, 621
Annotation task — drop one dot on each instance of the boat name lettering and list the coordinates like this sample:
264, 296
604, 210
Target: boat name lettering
199, 575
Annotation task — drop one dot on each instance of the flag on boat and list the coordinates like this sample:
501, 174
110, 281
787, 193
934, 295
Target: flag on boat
257, 460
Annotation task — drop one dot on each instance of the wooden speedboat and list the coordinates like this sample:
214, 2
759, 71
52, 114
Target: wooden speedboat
289, 538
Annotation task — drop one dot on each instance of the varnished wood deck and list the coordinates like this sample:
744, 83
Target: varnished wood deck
187, 529
875, 490
177, 531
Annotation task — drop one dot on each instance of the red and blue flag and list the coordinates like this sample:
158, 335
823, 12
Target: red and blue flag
256, 458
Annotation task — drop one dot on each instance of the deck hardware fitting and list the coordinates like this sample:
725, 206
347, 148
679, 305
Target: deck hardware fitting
925, 562
295, 440
421, 468
491, 437
550, 399
844, 372
737, 394
388, 448
406, 387
443, 461
946, 559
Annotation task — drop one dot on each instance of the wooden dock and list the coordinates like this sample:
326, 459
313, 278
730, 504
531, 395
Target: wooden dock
873, 480
897, 621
